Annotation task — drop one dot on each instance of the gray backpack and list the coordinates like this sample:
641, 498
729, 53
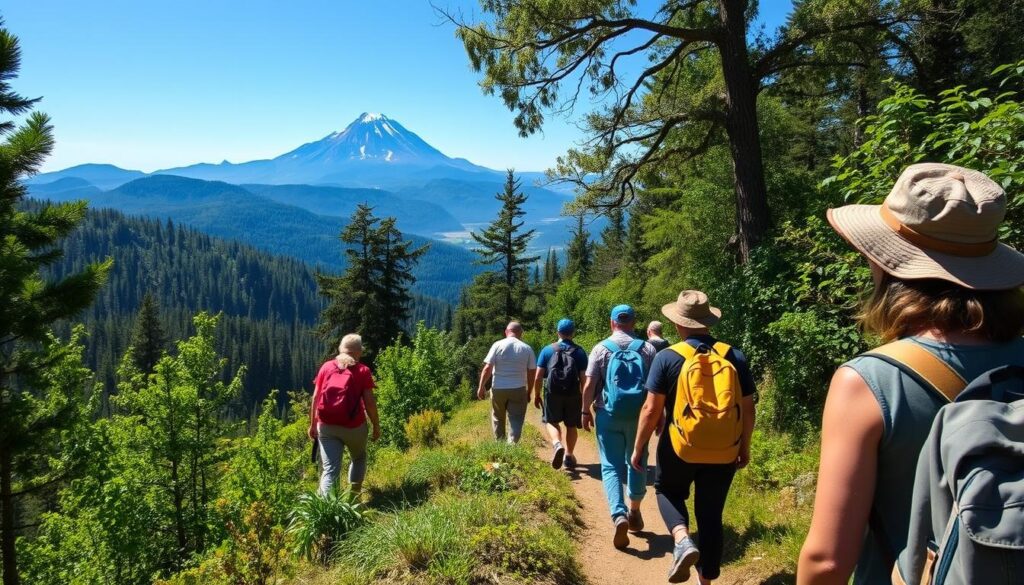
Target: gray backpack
967, 516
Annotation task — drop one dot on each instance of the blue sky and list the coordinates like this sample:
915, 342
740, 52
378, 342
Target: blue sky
150, 85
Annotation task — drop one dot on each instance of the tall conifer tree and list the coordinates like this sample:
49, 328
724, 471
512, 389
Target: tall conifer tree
372, 296
41, 394
149, 340
608, 255
503, 243
579, 254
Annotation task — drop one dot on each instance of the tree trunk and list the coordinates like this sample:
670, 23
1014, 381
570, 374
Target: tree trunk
179, 515
752, 216
10, 558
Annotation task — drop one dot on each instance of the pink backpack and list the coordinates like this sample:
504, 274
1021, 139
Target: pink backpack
341, 398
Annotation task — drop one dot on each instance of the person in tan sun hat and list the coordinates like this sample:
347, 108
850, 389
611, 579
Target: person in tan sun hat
946, 297
676, 473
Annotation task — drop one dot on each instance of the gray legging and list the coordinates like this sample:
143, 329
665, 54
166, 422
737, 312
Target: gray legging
333, 440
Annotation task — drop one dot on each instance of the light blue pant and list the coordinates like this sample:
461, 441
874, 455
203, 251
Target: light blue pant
333, 440
615, 439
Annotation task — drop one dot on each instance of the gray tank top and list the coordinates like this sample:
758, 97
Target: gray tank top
907, 413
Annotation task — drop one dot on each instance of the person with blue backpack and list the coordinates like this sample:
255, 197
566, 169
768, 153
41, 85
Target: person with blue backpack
918, 473
616, 372
559, 392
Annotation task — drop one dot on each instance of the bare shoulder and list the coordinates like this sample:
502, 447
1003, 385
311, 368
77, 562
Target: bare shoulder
851, 401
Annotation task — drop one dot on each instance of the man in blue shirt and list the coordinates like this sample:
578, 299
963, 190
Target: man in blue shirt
693, 316
560, 373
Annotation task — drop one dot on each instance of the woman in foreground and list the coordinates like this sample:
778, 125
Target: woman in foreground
945, 285
342, 400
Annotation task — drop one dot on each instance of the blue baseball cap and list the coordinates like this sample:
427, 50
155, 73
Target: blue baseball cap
566, 326
623, 314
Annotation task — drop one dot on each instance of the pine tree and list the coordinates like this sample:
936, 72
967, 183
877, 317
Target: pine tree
372, 296
609, 254
579, 253
503, 243
396, 259
41, 393
149, 340
551, 270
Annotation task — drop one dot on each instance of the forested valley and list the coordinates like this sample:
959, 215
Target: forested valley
142, 440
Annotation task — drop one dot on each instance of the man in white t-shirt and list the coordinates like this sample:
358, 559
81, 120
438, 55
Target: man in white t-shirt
509, 365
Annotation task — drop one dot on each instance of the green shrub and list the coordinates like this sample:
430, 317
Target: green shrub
528, 552
320, 522
424, 429
778, 460
414, 378
253, 554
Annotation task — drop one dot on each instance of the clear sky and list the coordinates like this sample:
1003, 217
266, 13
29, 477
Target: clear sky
148, 85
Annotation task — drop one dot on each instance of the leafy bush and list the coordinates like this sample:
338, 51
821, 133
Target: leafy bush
527, 552
979, 129
424, 429
319, 522
491, 477
777, 460
411, 379
254, 553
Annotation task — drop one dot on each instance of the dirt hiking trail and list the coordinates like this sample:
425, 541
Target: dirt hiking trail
646, 560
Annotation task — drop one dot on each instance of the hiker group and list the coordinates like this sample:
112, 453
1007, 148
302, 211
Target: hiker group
921, 478
697, 395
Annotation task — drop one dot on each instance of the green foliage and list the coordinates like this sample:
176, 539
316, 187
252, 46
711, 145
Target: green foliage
777, 460
255, 553
271, 465
979, 129
145, 507
40, 405
528, 552
417, 377
319, 522
424, 429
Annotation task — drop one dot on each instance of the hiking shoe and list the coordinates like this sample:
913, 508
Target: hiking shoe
559, 456
621, 538
636, 521
570, 462
684, 556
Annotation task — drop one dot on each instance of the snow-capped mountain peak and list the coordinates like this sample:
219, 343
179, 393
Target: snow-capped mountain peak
372, 137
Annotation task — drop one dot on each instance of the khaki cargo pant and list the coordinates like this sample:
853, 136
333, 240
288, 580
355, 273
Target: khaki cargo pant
512, 404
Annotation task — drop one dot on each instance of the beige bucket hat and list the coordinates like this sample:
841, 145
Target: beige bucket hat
940, 221
692, 310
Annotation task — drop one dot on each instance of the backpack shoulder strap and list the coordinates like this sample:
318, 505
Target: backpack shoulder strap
636, 344
684, 349
611, 346
722, 348
923, 365
556, 347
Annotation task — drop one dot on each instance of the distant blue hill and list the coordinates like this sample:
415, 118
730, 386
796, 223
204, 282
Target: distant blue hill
100, 175
413, 215
230, 211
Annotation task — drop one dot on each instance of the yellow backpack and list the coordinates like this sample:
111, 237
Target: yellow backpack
707, 419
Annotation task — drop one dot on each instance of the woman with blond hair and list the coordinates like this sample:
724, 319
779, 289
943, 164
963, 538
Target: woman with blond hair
945, 288
342, 400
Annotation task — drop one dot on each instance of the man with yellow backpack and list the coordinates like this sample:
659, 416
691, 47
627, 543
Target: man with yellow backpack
705, 391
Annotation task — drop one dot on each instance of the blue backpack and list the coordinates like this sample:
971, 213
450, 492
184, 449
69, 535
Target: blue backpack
624, 392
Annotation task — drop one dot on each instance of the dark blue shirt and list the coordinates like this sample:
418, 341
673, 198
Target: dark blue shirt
578, 355
668, 364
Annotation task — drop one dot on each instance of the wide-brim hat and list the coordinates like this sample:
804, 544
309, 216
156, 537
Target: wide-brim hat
940, 221
692, 310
